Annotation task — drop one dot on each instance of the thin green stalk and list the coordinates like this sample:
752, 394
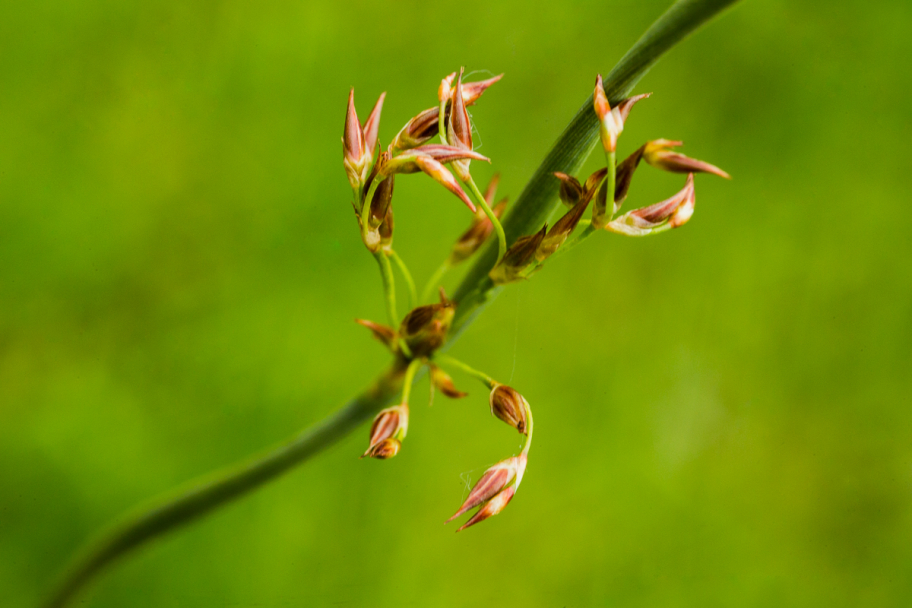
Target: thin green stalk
534, 206
365, 208
409, 379
480, 199
409, 281
448, 361
389, 287
434, 281
529, 428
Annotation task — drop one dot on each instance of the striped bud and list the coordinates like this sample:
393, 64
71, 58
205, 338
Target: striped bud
389, 428
355, 158
425, 328
517, 260
493, 491
510, 406
459, 129
417, 131
668, 214
659, 154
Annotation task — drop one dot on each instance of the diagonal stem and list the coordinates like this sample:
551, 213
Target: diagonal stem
534, 206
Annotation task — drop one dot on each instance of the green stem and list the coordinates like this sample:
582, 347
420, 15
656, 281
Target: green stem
389, 287
449, 361
434, 281
409, 281
534, 206
409, 379
528, 441
498, 228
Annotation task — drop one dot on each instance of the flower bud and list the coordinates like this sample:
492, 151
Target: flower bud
425, 328
389, 428
510, 406
372, 126
442, 380
417, 131
473, 238
658, 153
571, 191
624, 176
561, 231
493, 491
611, 119
384, 334
515, 263
668, 214
459, 129
355, 158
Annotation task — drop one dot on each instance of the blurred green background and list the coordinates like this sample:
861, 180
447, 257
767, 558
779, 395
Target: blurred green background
723, 411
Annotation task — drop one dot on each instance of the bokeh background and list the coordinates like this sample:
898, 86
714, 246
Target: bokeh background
723, 412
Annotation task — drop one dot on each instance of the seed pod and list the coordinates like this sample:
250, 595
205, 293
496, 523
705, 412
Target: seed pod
389, 428
425, 328
510, 406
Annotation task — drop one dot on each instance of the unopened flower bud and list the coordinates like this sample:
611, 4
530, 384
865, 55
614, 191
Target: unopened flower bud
389, 428
611, 120
571, 191
517, 260
493, 491
459, 129
386, 335
659, 154
425, 328
355, 158
510, 406
419, 130
624, 176
442, 380
668, 214
372, 126
561, 230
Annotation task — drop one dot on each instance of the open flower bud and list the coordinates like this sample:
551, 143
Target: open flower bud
493, 491
425, 328
517, 260
442, 380
611, 120
389, 428
658, 153
668, 214
510, 406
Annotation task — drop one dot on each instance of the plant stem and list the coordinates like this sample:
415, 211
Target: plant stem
528, 441
409, 281
389, 287
534, 206
409, 379
449, 361
434, 281
498, 228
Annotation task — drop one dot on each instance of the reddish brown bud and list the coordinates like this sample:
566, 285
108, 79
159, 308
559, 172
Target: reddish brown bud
517, 259
372, 126
386, 335
383, 195
561, 230
624, 176
511, 407
658, 153
668, 214
417, 131
425, 328
389, 428
459, 129
355, 158
571, 191
473, 238
471, 91
494, 490
442, 380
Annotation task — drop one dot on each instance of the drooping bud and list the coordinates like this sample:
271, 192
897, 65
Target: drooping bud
659, 154
389, 428
518, 259
442, 380
386, 335
510, 406
425, 328
459, 129
372, 126
561, 230
668, 214
493, 491
473, 238
355, 158
611, 120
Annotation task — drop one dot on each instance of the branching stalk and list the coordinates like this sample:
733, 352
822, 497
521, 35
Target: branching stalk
409, 281
534, 206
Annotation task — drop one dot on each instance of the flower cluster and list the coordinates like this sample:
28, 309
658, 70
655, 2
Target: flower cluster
416, 340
